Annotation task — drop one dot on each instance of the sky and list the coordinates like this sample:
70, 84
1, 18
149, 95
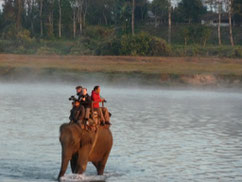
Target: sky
1, 4
174, 2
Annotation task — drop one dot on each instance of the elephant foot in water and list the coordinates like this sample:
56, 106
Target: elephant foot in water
81, 169
100, 167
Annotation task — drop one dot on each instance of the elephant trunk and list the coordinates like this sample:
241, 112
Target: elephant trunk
64, 163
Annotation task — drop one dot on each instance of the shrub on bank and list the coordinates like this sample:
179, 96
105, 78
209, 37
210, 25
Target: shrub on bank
24, 39
238, 52
98, 32
17, 41
196, 34
98, 40
46, 51
81, 50
159, 47
213, 51
61, 47
135, 45
5, 46
108, 47
143, 44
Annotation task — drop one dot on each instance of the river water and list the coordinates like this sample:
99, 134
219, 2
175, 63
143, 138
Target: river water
159, 134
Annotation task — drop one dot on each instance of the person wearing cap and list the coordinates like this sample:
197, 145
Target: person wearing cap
102, 111
75, 115
79, 92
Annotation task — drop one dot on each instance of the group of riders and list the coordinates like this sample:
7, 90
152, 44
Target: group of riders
84, 106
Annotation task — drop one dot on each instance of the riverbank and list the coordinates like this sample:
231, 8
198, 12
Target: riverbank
123, 69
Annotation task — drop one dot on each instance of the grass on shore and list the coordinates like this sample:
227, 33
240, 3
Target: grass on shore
120, 64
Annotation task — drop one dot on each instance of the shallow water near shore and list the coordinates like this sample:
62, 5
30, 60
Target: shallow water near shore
159, 134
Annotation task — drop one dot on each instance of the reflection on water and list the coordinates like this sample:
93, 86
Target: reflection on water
159, 135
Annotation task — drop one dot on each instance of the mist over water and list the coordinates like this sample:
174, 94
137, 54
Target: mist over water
159, 134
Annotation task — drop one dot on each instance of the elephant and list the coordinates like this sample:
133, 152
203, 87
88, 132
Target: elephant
80, 146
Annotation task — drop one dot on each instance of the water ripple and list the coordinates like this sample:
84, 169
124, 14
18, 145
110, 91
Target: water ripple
159, 135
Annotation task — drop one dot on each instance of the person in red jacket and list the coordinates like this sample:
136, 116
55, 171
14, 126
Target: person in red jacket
102, 111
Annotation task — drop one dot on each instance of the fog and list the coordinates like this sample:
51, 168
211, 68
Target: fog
54, 76
115, 80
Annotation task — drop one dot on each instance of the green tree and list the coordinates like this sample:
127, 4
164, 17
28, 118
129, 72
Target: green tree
9, 20
19, 12
237, 10
9, 15
141, 10
190, 11
160, 9
196, 34
1, 21
133, 16
66, 18
101, 11
31, 14
122, 15
40, 3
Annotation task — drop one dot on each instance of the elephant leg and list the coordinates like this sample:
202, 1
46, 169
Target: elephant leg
82, 161
74, 162
95, 164
100, 166
81, 166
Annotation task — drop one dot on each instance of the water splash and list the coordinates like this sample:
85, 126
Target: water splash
81, 178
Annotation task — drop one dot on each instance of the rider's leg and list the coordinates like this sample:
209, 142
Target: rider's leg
106, 114
82, 113
101, 115
87, 115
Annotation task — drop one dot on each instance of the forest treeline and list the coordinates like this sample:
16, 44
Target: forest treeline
122, 27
